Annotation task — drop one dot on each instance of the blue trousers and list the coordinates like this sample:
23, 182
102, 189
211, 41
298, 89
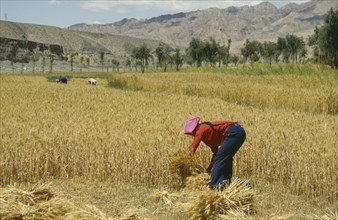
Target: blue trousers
222, 168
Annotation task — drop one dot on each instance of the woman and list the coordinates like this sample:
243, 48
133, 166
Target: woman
224, 138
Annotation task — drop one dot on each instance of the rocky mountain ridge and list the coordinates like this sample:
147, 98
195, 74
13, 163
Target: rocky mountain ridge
22, 42
262, 22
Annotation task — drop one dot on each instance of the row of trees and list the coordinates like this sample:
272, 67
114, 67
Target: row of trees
287, 49
325, 40
165, 54
291, 48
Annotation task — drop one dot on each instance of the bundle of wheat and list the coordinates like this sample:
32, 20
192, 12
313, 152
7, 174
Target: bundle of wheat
181, 163
328, 215
91, 213
27, 197
166, 197
235, 199
197, 182
40, 204
52, 209
37, 202
163, 196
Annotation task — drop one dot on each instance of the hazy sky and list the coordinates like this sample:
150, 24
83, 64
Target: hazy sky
63, 13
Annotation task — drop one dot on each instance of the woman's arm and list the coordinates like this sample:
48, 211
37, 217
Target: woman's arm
214, 151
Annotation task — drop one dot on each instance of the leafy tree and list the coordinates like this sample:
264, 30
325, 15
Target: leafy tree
13, 53
142, 56
302, 55
290, 47
251, 51
88, 62
71, 61
81, 63
326, 38
43, 63
128, 63
196, 51
282, 47
226, 56
211, 50
33, 63
116, 65
234, 59
177, 58
163, 55
102, 59
294, 45
51, 61
269, 50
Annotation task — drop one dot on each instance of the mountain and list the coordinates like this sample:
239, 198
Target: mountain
21, 42
261, 22
28, 40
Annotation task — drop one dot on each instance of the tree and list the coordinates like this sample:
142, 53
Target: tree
163, 55
227, 57
177, 59
81, 63
43, 63
116, 65
142, 56
26, 52
128, 63
51, 61
269, 49
102, 59
251, 51
88, 62
283, 49
302, 55
71, 61
211, 50
196, 51
13, 53
294, 45
234, 59
326, 38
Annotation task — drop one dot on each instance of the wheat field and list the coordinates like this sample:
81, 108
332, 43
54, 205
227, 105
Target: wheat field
54, 131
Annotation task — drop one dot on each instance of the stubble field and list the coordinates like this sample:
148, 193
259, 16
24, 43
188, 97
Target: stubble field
109, 147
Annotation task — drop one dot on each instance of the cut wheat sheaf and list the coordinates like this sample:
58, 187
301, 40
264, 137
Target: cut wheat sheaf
205, 203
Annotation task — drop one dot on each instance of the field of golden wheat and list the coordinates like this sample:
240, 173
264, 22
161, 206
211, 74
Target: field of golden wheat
61, 132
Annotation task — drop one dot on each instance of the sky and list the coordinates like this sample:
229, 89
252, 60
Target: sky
64, 13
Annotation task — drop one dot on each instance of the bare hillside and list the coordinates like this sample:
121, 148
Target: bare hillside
42, 39
263, 22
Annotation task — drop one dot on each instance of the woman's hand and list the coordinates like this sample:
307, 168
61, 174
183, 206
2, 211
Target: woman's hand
209, 168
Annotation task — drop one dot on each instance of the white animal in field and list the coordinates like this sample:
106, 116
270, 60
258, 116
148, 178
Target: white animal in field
92, 81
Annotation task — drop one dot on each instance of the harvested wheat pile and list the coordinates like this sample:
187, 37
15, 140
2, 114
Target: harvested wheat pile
27, 197
197, 182
235, 200
182, 161
328, 215
39, 203
91, 213
183, 164
34, 203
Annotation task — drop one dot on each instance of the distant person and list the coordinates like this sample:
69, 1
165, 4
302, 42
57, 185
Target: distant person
61, 79
92, 81
224, 138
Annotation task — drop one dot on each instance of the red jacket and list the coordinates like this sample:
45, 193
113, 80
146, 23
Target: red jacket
211, 138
